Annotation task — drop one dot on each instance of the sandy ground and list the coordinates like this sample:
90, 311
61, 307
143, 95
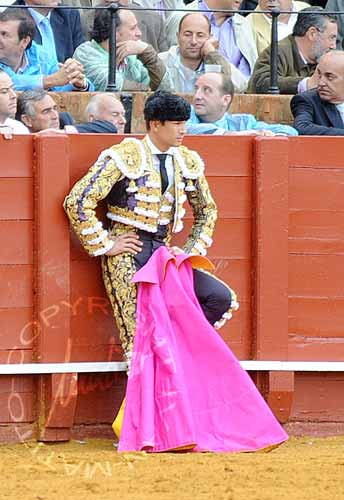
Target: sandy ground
303, 468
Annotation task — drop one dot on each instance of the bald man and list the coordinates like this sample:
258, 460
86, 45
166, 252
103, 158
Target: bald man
321, 111
106, 107
195, 54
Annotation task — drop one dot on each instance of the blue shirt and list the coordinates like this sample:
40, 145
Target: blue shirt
235, 123
38, 64
226, 37
44, 27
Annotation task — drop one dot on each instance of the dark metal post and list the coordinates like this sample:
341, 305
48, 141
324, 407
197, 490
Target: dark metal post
127, 101
111, 86
273, 89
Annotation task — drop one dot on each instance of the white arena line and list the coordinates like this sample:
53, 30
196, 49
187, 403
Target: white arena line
115, 366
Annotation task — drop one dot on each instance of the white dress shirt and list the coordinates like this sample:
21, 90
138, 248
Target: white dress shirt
16, 126
169, 160
340, 108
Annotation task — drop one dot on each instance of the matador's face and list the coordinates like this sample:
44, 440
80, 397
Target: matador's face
168, 133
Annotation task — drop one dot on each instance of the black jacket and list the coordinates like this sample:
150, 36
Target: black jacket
95, 127
67, 31
312, 116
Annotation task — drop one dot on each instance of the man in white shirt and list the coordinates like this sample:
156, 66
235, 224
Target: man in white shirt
236, 42
8, 108
195, 54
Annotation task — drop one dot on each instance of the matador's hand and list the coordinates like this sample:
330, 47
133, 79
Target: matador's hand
127, 242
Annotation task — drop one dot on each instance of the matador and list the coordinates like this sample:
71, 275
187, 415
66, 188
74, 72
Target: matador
145, 184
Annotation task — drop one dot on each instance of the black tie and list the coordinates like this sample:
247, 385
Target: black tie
163, 172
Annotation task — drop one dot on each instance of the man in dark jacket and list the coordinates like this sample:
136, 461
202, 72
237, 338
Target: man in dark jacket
56, 29
315, 32
337, 6
321, 111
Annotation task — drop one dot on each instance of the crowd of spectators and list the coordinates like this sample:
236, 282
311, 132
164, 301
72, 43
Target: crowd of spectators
204, 47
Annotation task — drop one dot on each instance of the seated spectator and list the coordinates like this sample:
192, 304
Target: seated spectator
86, 16
314, 33
106, 107
236, 41
260, 24
321, 111
195, 50
138, 64
8, 107
38, 110
26, 62
210, 113
169, 20
337, 6
151, 24
58, 30
248, 4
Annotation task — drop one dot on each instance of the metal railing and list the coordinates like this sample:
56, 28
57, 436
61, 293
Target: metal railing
114, 8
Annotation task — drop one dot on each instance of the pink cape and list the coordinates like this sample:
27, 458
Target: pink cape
185, 385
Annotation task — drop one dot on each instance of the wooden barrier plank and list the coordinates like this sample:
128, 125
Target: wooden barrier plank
319, 397
16, 407
17, 157
16, 197
56, 395
311, 188
16, 383
19, 242
233, 196
16, 328
270, 324
316, 232
15, 356
316, 276
317, 318
315, 349
108, 352
99, 398
271, 252
16, 287
316, 152
227, 156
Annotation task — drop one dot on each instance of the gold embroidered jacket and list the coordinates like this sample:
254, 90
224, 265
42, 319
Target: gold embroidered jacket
127, 168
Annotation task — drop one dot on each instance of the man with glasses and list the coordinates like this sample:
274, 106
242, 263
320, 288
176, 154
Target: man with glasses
8, 108
315, 32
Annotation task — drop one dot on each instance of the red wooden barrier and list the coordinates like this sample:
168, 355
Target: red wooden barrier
17, 395
279, 242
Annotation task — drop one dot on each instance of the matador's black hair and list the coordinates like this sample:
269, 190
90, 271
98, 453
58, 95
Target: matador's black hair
163, 106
